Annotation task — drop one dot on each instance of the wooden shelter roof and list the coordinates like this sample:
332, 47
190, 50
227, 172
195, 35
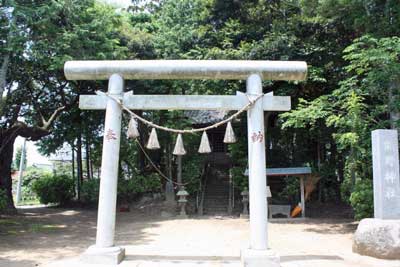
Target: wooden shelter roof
285, 171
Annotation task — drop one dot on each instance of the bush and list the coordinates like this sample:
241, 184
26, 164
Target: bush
30, 176
3, 199
192, 168
362, 199
90, 191
291, 190
130, 189
54, 189
152, 183
240, 180
345, 190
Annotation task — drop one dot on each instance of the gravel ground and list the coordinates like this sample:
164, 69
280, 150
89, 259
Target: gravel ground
42, 236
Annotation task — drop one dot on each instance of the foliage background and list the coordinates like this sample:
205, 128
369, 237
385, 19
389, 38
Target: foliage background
351, 47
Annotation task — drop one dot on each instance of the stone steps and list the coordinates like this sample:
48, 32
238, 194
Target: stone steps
216, 196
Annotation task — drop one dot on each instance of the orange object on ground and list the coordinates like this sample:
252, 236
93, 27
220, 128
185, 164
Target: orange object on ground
296, 211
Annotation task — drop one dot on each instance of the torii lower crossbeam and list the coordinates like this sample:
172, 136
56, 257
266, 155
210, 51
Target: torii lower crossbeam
253, 72
185, 102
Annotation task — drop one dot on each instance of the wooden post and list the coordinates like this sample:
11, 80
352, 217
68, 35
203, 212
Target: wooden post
303, 204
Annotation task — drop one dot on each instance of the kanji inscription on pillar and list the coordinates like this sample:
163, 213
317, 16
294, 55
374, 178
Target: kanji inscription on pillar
110, 135
385, 158
257, 137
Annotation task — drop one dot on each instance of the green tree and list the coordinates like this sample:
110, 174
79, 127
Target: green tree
39, 37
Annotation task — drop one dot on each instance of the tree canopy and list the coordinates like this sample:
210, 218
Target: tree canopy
351, 48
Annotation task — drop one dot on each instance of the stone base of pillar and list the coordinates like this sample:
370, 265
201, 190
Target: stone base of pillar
259, 258
105, 256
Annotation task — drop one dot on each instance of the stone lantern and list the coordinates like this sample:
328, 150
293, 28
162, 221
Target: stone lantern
182, 200
245, 201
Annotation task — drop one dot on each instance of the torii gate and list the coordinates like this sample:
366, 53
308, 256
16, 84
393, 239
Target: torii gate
258, 254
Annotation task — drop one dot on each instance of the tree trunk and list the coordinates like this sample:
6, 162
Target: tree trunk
3, 75
7, 139
79, 164
393, 109
319, 156
143, 136
91, 167
321, 184
7, 143
352, 169
336, 161
169, 186
89, 175
73, 167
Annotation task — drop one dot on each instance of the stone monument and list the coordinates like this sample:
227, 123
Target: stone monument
380, 236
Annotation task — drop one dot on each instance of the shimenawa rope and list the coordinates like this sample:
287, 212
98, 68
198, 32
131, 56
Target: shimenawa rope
215, 125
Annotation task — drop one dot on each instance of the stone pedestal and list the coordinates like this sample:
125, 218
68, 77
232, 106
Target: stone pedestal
259, 258
378, 238
105, 256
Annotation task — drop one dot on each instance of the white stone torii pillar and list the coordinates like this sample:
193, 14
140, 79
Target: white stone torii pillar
258, 254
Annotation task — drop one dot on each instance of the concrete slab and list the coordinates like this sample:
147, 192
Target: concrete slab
260, 258
109, 256
143, 262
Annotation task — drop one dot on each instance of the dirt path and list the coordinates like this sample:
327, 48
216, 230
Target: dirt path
39, 236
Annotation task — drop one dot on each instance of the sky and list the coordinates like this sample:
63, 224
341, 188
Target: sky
118, 3
32, 154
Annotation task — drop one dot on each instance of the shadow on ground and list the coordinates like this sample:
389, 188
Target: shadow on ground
296, 258
180, 258
333, 228
16, 263
54, 233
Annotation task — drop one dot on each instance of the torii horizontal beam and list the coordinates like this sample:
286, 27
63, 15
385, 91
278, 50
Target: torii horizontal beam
185, 102
185, 69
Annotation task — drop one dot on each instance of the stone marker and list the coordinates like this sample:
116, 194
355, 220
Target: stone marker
380, 236
385, 159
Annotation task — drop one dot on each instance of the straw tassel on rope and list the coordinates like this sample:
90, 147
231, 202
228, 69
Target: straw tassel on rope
133, 131
204, 144
229, 137
153, 140
179, 149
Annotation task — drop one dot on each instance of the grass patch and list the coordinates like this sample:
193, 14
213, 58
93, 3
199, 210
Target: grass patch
9, 222
29, 202
10, 226
35, 228
14, 227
